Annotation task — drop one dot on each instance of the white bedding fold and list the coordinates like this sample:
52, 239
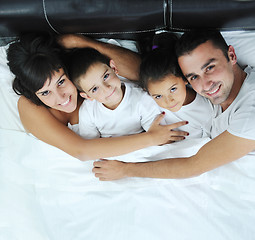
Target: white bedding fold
49, 195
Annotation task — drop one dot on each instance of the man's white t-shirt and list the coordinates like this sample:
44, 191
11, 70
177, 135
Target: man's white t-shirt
135, 113
239, 118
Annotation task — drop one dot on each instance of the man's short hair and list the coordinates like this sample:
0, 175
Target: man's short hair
192, 39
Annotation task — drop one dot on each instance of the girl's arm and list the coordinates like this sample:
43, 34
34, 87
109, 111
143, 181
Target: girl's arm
219, 151
127, 61
39, 121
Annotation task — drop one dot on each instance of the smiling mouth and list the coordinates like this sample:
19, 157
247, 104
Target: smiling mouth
112, 93
214, 92
173, 106
66, 102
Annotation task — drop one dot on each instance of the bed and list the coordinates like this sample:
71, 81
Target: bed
45, 194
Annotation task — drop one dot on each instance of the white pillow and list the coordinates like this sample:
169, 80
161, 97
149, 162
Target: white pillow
9, 118
244, 45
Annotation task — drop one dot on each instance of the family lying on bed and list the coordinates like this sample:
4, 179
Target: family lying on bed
50, 101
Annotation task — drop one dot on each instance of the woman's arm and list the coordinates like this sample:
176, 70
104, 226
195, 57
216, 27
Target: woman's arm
223, 149
42, 124
127, 61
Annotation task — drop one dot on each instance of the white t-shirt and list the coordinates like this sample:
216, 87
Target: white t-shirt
199, 115
239, 118
134, 114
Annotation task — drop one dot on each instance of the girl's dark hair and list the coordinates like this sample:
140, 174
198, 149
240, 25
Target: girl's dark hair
33, 59
79, 60
160, 62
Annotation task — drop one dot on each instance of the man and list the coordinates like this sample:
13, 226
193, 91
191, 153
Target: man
210, 66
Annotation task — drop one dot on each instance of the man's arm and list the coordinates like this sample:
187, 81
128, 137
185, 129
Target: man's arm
127, 61
223, 149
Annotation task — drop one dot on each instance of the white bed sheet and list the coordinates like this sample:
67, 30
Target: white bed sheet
46, 194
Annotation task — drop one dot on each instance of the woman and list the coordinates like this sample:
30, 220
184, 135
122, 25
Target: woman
50, 101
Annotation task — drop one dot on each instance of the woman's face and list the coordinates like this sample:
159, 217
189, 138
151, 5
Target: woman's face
59, 92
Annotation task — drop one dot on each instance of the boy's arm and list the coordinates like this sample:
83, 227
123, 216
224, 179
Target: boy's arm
127, 61
87, 125
148, 110
222, 150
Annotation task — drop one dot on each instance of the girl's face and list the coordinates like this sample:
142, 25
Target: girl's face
169, 92
59, 93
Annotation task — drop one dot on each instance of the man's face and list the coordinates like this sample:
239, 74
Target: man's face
209, 72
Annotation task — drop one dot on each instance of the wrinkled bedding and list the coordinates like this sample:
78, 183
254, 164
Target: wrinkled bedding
45, 194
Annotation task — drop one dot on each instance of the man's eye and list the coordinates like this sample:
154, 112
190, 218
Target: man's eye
61, 82
193, 77
106, 76
209, 68
45, 93
173, 89
94, 89
158, 97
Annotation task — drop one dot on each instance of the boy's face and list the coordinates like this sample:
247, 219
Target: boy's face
102, 84
209, 72
169, 93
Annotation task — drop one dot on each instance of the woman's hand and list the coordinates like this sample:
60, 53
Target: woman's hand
162, 134
108, 170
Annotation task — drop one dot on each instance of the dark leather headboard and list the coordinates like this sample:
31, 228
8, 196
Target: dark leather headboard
127, 19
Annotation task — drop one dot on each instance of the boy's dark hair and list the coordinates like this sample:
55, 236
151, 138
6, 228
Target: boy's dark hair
33, 59
191, 40
80, 60
159, 63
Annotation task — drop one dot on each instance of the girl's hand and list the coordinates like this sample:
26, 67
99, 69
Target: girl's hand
162, 134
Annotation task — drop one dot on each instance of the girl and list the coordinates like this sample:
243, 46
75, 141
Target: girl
162, 78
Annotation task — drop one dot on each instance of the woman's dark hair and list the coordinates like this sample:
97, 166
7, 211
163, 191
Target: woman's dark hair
79, 60
160, 62
33, 59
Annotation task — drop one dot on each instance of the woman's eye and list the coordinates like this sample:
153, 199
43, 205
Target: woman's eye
173, 89
158, 97
45, 93
106, 76
61, 82
94, 89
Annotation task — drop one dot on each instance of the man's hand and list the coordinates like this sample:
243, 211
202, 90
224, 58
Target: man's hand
75, 41
108, 170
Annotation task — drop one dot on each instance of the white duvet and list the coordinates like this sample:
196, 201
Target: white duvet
46, 194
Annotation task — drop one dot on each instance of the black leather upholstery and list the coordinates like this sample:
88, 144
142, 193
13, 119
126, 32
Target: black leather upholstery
130, 19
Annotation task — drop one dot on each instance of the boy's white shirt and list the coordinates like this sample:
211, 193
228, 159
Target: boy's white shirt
135, 113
